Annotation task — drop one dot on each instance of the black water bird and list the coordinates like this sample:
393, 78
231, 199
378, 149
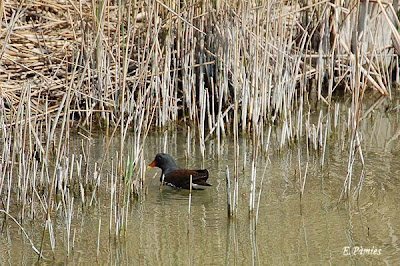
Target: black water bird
177, 177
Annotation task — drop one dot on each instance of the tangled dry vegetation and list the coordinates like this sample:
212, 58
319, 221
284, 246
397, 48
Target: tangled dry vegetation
53, 47
114, 58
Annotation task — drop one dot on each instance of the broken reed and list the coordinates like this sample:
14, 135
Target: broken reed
218, 67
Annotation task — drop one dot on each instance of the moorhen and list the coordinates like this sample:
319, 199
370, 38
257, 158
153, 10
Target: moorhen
177, 177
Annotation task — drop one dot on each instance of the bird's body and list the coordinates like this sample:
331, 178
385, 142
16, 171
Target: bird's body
174, 176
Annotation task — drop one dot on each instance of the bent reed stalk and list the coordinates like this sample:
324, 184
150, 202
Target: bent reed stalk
71, 67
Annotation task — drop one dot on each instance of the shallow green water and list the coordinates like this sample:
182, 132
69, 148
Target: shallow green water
317, 231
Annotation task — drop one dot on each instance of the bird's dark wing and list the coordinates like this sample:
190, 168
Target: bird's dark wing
181, 178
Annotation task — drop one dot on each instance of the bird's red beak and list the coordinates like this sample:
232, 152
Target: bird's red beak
153, 163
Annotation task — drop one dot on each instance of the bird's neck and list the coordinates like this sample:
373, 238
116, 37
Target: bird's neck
169, 169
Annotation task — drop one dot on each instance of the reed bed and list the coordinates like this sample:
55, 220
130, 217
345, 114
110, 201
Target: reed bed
221, 68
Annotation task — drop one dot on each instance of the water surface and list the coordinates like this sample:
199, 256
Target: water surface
316, 230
